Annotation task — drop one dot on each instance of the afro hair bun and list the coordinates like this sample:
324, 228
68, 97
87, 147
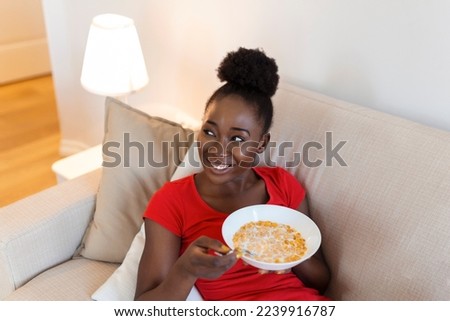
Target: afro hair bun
250, 69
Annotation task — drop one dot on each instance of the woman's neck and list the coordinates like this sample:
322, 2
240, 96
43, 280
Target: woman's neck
228, 197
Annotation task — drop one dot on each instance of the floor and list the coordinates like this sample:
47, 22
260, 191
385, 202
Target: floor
29, 138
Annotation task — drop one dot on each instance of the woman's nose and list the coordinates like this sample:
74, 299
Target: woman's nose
219, 147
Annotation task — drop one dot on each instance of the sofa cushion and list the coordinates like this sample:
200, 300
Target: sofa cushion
140, 153
378, 189
74, 280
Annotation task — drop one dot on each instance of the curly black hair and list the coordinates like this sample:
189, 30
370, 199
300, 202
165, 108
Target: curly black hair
250, 74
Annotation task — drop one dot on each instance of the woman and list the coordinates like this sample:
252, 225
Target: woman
183, 219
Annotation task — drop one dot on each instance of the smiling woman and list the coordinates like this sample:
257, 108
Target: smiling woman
29, 140
187, 214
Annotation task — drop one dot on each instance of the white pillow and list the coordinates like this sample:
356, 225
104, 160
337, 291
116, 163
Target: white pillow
121, 285
191, 163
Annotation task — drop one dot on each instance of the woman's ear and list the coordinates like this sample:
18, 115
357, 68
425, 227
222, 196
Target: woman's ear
265, 139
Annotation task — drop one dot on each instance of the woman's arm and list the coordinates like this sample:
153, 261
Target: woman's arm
163, 275
313, 272
157, 262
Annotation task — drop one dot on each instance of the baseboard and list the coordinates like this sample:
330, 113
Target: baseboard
69, 147
25, 59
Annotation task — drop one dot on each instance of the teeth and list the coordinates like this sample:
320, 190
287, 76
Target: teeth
220, 167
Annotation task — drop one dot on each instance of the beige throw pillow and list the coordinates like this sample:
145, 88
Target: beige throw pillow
140, 153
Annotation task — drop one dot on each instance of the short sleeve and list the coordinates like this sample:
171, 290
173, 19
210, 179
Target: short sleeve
295, 193
283, 188
164, 209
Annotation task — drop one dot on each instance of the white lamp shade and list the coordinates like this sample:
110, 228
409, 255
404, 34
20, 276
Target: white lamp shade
113, 62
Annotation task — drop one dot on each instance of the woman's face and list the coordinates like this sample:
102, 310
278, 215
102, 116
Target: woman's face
230, 138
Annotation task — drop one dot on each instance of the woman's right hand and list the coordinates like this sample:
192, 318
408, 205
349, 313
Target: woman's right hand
164, 275
206, 258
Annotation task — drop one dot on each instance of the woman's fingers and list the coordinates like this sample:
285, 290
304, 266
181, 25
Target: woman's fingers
206, 258
211, 244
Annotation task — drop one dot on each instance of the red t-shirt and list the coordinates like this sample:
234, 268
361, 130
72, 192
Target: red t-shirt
179, 208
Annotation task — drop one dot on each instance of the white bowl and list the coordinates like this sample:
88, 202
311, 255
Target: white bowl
279, 214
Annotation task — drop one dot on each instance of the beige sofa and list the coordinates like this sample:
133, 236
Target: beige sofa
378, 188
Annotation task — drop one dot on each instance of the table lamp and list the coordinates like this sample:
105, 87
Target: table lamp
113, 61
113, 66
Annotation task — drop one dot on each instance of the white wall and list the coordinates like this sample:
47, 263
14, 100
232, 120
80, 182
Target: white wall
391, 55
23, 42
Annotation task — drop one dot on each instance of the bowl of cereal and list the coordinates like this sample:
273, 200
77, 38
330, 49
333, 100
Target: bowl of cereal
271, 237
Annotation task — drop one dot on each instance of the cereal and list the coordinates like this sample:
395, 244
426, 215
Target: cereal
270, 242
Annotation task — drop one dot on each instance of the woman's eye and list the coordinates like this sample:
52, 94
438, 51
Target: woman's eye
208, 132
237, 139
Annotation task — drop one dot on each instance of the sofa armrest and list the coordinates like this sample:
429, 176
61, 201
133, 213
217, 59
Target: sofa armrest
44, 229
